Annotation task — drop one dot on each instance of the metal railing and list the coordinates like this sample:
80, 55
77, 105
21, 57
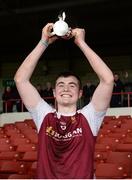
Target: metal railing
8, 105
125, 96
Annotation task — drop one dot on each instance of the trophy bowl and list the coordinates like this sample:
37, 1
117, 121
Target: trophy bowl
60, 27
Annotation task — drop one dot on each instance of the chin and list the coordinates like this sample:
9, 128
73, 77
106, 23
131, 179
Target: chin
65, 103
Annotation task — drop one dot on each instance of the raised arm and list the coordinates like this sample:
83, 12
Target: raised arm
102, 95
27, 91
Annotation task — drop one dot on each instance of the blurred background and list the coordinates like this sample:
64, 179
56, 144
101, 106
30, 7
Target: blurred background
108, 24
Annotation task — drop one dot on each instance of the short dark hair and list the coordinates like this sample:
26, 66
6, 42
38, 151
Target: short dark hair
67, 74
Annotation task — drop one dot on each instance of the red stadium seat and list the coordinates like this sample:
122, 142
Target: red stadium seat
124, 147
110, 171
12, 131
124, 117
124, 158
9, 126
13, 167
33, 169
7, 147
26, 147
3, 135
30, 123
31, 134
108, 118
114, 122
127, 140
106, 132
14, 136
4, 141
104, 147
109, 140
30, 156
121, 135
21, 125
100, 156
109, 126
20, 176
10, 155
20, 140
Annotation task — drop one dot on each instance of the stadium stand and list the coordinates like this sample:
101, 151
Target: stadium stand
18, 150
110, 171
113, 150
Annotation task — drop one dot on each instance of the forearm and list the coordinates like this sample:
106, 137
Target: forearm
100, 68
27, 67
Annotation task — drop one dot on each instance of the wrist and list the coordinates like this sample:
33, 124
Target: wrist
80, 43
44, 43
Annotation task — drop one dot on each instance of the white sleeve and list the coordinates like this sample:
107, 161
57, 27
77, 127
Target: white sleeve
39, 112
93, 117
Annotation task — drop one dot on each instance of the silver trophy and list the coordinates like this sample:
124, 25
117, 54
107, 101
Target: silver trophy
60, 27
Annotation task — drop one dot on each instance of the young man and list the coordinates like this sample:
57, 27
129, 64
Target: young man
66, 136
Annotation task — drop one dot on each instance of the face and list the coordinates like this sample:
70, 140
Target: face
48, 84
116, 77
88, 83
67, 90
38, 87
8, 88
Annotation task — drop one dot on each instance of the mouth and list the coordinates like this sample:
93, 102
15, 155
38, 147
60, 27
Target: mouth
66, 95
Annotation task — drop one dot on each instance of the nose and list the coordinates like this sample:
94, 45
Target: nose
65, 88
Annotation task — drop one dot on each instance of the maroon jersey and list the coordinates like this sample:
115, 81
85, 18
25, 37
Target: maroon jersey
66, 148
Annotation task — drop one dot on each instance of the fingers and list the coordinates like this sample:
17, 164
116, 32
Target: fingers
47, 29
48, 33
54, 38
49, 26
78, 33
68, 34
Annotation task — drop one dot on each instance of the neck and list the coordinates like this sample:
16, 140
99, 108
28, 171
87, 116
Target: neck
67, 109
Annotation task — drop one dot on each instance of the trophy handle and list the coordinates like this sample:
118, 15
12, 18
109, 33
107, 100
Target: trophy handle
52, 33
63, 16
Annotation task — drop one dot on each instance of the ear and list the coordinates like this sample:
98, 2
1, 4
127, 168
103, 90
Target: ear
80, 93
